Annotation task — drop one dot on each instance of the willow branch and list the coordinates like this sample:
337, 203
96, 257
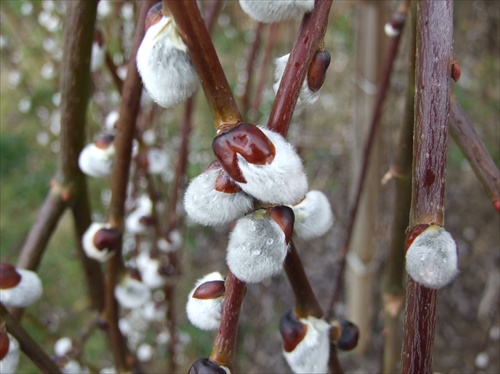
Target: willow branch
30, 348
69, 186
393, 280
433, 72
263, 71
212, 78
125, 129
110, 64
225, 341
306, 303
310, 38
374, 125
468, 141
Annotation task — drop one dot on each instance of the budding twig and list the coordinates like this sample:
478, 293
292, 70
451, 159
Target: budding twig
212, 78
125, 129
433, 67
310, 38
473, 149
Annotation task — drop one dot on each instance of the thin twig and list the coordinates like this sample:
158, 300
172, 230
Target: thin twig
27, 344
433, 72
125, 129
393, 280
310, 38
212, 78
468, 141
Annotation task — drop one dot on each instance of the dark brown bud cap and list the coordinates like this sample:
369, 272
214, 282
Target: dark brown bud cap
246, 140
107, 239
316, 73
104, 141
292, 331
413, 233
4, 342
349, 335
285, 218
154, 15
9, 277
210, 290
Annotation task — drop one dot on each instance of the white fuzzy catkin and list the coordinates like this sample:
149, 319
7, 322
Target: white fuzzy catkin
205, 314
90, 248
311, 354
306, 96
9, 363
98, 56
96, 162
157, 161
131, 293
133, 222
431, 260
276, 11
283, 181
256, 248
26, 292
149, 269
207, 206
165, 66
313, 215
63, 346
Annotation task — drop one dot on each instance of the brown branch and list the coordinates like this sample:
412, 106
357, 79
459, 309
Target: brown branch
310, 38
306, 303
466, 138
125, 129
212, 78
393, 280
118, 82
433, 72
264, 68
225, 340
249, 69
30, 348
69, 185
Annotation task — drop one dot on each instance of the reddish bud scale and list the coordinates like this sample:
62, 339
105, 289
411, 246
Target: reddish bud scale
316, 73
210, 290
349, 337
99, 38
107, 239
104, 141
292, 331
225, 184
206, 366
4, 343
9, 277
154, 15
398, 20
455, 71
413, 233
285, 218
248, 141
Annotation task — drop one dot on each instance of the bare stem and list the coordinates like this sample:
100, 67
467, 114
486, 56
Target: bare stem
306, 303
118, 82
30, 348
212, 78
125, 129
225, 340
264, 68
393, 281
374, 125
310, 38
433, 72
484, 167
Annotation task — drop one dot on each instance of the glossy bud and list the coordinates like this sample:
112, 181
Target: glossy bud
210, 290
154, 15
9, 277
349, 335
284, 217
292, 331
316, 74
456, 72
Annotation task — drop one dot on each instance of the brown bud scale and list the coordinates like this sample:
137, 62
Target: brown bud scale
413, 233
292, 331
210, 290
316, 73
9, 277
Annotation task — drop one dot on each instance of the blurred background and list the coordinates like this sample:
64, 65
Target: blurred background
329, 137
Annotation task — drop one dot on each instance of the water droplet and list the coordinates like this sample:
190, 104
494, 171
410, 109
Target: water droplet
270, 241
255, 252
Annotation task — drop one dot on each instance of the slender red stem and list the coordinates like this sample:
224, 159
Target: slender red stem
432, 106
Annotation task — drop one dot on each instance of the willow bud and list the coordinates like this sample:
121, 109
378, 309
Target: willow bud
204, 305
276, 11
18, 287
